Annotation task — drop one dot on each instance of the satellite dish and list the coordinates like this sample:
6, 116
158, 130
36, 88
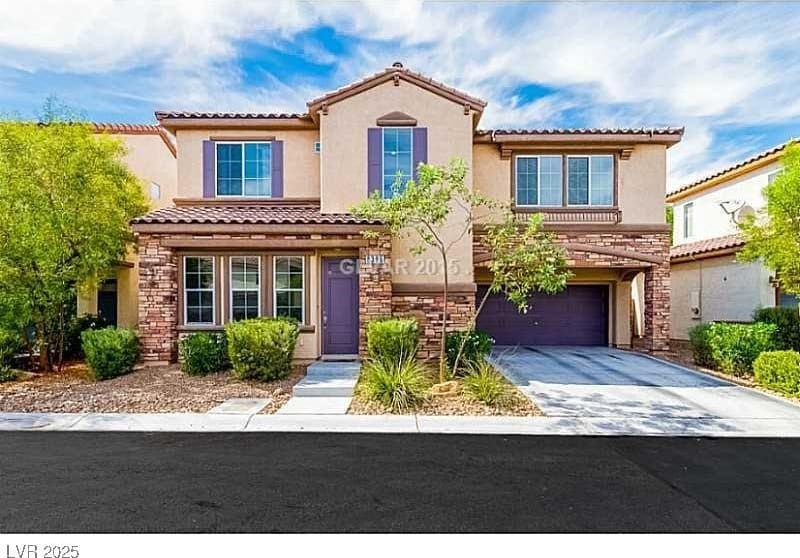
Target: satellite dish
744, 213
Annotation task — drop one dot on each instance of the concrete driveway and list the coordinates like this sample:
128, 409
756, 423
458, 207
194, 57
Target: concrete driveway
619, 389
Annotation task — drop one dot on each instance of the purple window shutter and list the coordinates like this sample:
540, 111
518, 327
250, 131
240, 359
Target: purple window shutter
374, 163
277, 169
209, 188
420, 148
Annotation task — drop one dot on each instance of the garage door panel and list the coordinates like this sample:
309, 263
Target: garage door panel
576, 316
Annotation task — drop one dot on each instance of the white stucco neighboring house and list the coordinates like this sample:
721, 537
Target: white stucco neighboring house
707, 283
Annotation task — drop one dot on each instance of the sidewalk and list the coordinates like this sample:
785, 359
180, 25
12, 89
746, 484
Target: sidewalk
421, 424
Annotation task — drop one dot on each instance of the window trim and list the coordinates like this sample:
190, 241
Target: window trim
538, 157
383, 156
217, 143
589, 184
258, 289
213, 289
688, 218
275, 289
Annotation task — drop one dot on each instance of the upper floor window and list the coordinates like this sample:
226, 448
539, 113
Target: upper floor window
539, 180
244, 168
397, 158
590, 180
688, 220
198, 289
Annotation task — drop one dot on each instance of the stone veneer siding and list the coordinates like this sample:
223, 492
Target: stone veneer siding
427, 308
158, 300
374, 286
656, 289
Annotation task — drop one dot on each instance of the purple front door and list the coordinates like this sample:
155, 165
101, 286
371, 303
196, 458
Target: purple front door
339, 306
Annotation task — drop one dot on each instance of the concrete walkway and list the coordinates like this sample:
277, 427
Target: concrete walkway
422, 424
327, 389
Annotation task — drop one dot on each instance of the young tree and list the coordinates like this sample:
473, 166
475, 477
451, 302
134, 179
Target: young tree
66, 198
773, 235
439, 211
522, 261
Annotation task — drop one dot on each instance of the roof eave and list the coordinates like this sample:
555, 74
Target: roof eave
295, 123
584, 138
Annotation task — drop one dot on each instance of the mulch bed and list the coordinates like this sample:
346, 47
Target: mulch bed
147, 390
457, 404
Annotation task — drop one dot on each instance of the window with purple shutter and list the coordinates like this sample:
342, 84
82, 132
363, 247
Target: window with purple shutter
374, 165
209, 187
242, 168
420, 148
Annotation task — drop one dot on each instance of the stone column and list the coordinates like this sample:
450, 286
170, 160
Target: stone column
158, 301
656, 308
374, 286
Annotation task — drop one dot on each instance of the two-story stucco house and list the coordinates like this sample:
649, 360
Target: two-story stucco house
707, 282
259, 225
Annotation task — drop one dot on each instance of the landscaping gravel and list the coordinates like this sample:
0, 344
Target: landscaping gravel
147, 390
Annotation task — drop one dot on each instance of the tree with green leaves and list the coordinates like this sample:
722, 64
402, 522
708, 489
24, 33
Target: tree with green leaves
773, 234
439, 210
66, 198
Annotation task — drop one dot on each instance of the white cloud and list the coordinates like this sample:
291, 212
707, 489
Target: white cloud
705, 66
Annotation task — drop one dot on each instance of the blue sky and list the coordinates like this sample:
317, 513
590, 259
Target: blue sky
729, 72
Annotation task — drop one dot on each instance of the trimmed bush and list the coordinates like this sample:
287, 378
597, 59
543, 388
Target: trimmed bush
399, 385
734, 347
72, 335
486, 384
262, 348
204, 353
701, 350
10, 344
787, 321
477, 347
779, 370
392, 339
110, 352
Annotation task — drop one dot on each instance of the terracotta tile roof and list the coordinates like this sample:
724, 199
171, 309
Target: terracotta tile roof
752, 159
398, 69
160, 115
137, 129
583, 131
249, 214
706, 246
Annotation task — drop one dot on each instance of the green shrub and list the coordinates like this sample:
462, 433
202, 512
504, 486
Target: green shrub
477, 347
787, 321
486, 384
701, 350
392, 339
262, 348
397, 384
204, 353
10, 344
778, 370
110, 352
7, 374
73, 331
734, 347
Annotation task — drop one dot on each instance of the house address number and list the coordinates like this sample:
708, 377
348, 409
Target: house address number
375, 259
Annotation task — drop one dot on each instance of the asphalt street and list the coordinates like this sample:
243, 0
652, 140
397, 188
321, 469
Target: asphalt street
303, 482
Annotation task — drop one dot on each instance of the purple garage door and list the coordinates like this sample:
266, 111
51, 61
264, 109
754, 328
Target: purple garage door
576, 316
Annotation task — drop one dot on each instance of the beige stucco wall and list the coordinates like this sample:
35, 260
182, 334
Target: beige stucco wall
727, 290
343, 132
150, 160
642, 180
300, 163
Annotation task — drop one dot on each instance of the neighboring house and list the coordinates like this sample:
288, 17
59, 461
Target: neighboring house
707, 282
151, 157
259, 225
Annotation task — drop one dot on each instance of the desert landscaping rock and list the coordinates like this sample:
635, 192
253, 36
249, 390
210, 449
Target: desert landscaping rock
148, 390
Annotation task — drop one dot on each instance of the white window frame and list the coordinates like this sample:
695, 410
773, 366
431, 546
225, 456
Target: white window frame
230, 283
688, 219
383, 158
538, 179
589, 171
275, 288
213, 290
216, 168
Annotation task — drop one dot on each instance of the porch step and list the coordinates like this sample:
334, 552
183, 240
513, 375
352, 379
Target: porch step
328, 379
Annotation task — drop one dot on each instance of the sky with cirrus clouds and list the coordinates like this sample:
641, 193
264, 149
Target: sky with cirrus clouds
729, 72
